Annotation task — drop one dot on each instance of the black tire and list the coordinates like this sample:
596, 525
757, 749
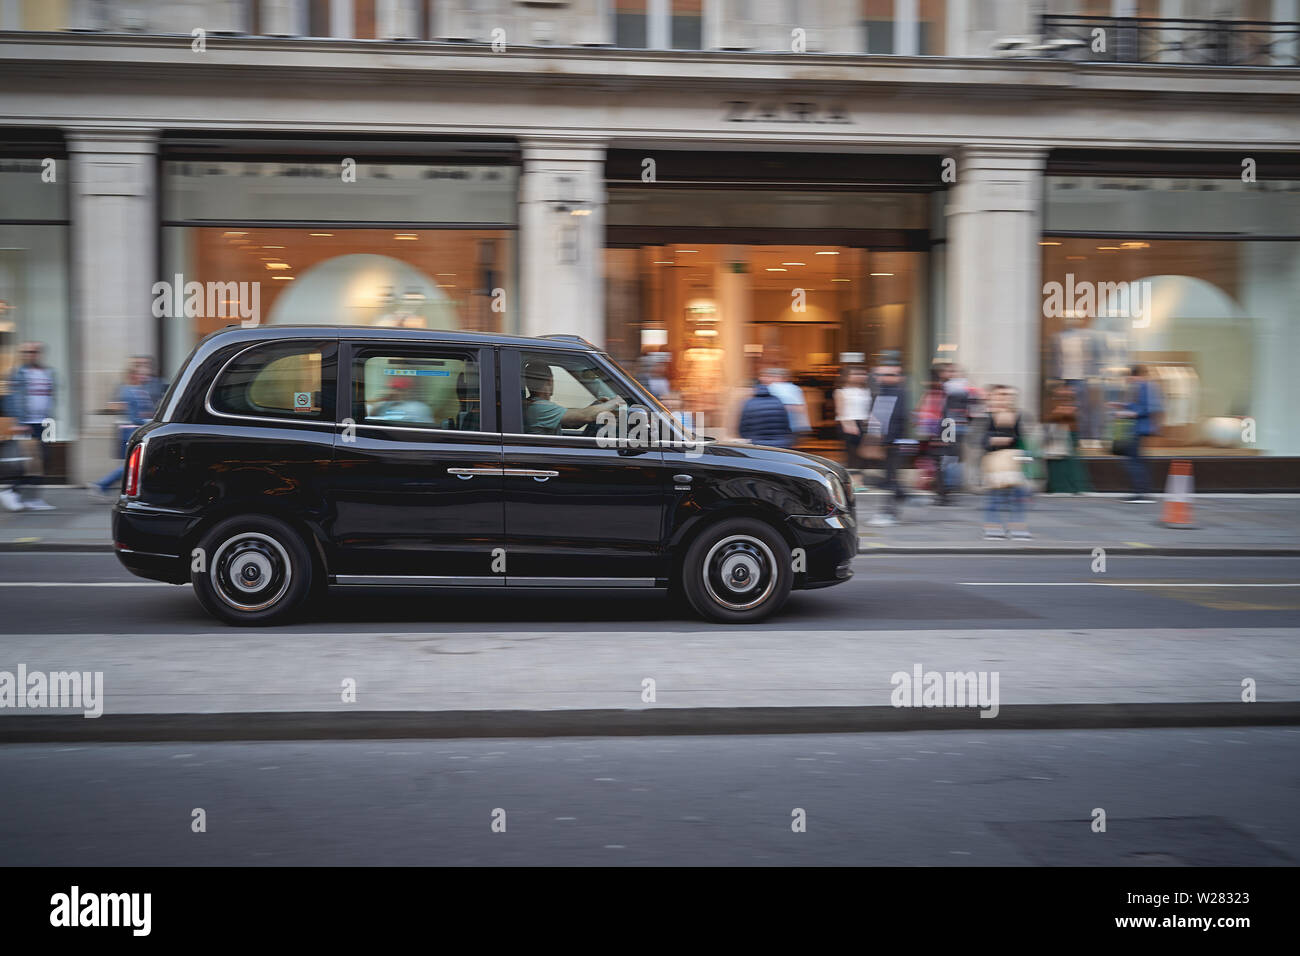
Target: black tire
257, 570
737, 571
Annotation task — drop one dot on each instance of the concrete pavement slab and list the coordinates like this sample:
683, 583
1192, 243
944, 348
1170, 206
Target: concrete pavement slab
250, 672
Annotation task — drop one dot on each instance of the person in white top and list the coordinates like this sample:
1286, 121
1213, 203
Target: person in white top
852, 407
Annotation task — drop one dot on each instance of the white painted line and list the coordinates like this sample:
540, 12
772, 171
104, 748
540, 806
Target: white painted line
1113, 584
84, 584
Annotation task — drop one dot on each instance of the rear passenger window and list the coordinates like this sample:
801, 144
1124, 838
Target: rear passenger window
430, 389
284, 380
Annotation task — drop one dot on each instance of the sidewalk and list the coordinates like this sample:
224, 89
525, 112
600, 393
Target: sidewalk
1227, 525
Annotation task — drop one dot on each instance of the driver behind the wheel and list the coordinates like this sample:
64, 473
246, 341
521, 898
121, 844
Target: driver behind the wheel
545, 417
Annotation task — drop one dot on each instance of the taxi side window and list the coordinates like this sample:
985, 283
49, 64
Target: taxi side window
284, 380
425, 389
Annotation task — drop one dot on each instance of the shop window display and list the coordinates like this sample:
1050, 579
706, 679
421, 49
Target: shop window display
1210, 320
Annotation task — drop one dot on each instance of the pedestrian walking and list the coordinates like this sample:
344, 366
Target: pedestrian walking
852, 401
134, 405
32, 390
927, 420
887, 422
792, 398
959, 398
1065, 474
1137, 420
1004, 477
764, 420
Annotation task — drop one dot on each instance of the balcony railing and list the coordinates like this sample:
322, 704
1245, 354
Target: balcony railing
1183, 42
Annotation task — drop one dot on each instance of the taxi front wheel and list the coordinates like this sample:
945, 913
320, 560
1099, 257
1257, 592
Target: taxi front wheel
737, 572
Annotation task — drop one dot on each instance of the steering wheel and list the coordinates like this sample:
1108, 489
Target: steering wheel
592, 428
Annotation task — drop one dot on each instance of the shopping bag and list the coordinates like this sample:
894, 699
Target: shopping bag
871, 448
1056, 441
1002, 468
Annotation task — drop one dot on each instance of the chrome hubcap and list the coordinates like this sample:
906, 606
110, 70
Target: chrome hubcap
251, 571
740, 572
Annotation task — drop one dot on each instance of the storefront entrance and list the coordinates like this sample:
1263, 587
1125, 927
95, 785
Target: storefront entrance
699, 321
727, 263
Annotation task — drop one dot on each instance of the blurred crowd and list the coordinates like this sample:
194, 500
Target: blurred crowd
28, 429
957, 437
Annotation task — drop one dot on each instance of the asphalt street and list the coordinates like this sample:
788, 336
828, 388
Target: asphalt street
75, 592
1171, 797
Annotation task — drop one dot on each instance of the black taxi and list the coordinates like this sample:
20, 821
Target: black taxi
287, 459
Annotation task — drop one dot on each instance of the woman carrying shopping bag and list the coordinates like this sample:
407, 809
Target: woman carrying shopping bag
1003, 467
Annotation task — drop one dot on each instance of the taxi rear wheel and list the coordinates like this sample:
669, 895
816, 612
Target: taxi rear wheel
254, 570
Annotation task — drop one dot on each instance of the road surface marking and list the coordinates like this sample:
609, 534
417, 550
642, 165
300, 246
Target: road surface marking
84, 584
1113, 584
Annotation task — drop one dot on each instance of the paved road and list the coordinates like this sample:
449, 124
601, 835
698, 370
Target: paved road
1171, 797
79, 592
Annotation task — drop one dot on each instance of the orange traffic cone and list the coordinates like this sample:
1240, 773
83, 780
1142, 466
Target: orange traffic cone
1177, 512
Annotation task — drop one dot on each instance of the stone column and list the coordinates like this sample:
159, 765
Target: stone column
114, 265
562, 238
994, 271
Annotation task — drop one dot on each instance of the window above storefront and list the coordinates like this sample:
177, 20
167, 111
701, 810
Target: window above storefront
1144, 204
33, 189
344, 190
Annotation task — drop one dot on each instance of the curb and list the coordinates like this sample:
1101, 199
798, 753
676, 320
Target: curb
55, 547
384, 725
60, 547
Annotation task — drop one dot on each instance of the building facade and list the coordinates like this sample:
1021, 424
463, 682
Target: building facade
1040, 192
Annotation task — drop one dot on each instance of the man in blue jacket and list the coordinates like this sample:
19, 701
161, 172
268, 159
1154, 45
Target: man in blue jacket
1145, 410
764, 420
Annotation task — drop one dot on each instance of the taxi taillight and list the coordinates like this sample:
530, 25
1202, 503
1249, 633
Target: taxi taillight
133, 470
